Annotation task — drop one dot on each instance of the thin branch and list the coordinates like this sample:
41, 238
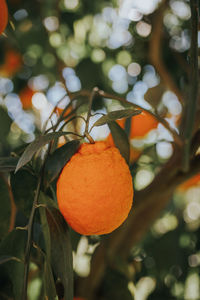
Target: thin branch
53, 111
86, 93
13, 209
155, 52
191, 104
92, 95
147, 205
176, 137
29, 240
12, 203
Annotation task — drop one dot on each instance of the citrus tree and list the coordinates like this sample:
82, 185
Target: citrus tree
99, 150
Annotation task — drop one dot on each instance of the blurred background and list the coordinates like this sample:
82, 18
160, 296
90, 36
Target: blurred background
134, 49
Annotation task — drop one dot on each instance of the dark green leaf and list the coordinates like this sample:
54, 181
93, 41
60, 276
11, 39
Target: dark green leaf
49, 284
59, 158
120, 139
5, 207
13, 245
23, 187
45, 228
35, 146
5, 122
120, 281
115, 115
61, 251
8, 164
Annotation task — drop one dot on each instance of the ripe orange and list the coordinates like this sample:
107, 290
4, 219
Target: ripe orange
94, 190
3, 15
195, 180
12, 64
60, 110
26, 97
142, 124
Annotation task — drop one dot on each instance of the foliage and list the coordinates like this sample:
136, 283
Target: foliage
69, 69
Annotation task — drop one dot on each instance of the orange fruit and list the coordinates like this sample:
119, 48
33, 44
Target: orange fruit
140, 125
3, 15
12, 64
195, 180
26, 97
94, 190
60, 110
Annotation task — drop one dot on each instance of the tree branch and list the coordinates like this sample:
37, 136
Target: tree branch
155, 56
29, 240
86, 93
148, 204
191, 103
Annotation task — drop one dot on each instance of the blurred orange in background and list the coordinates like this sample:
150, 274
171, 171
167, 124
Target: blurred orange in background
195, 180
26, 97
60, 110
12, 63
140, 125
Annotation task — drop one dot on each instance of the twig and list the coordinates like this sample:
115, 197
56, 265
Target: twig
13, 209
53, 111
30, 227
191, 104
86, 93
29, 239
148, 203
155, 52
176, 137
92, 95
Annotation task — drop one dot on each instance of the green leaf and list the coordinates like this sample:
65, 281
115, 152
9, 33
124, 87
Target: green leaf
115, 115
57, 246
61, 251
49, 284
8, 164
5, 122
35, 146
5, 207
13, 245
45, 228
120, 139
59, 158
120, 290
23, 186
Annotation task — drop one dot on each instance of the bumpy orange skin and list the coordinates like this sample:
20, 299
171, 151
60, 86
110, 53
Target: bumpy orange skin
94, 190
3, 15
26, 97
